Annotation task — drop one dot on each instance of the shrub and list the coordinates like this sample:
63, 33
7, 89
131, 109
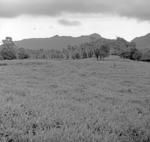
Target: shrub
125, 54
145, 55
22, 54
77, 55
131, 53
136, 55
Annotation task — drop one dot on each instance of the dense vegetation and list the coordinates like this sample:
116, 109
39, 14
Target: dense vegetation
96, 48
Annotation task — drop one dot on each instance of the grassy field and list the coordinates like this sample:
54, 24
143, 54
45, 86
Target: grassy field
75, 101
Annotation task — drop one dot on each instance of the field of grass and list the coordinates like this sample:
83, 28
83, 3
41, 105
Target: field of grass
75, 101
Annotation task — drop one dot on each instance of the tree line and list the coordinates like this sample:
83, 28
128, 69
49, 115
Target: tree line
10, 51
96, 48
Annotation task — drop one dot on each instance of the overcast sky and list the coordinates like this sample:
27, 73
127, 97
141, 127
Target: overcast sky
45, 18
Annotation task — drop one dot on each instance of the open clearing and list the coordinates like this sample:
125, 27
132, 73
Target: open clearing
75, 101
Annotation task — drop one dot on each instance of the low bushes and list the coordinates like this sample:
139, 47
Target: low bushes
131, 53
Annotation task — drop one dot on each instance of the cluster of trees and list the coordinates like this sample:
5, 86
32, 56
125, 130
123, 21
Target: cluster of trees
9, 51
129, 50
87, 50
125, 49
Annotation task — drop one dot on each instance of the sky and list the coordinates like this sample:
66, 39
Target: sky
23, 19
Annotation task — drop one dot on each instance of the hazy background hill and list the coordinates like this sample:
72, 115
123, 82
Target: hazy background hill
60, 42
142, 42
55, 42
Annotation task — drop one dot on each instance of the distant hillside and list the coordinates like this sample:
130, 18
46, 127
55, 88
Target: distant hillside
65, 47
56, 42
142, 42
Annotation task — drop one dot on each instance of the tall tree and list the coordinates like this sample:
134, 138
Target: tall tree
8, 50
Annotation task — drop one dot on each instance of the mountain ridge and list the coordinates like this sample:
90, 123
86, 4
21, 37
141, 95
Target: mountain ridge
60, 42
55, 42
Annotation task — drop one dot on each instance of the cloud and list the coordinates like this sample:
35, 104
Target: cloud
65, 22
130, 8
